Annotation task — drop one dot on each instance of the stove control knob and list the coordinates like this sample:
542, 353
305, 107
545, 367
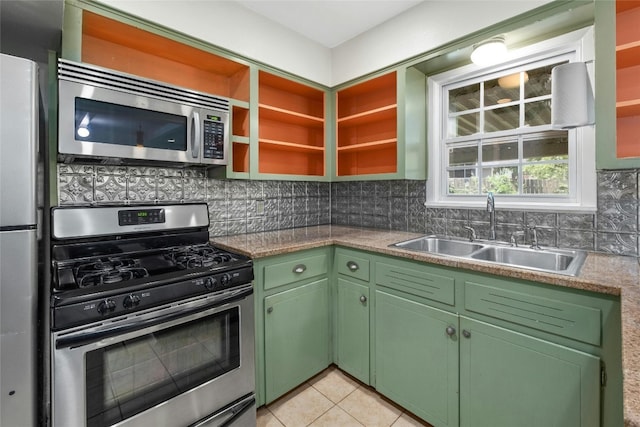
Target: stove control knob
106, 306
225, 279
210, 283
131, 301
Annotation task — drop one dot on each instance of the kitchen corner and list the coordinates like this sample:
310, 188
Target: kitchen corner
601, 273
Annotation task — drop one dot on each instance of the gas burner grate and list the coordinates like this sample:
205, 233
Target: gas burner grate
198, 256
107, 271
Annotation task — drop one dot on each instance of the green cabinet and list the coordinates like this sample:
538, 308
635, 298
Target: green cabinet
352, 339
296, 336
511, 379
417, 357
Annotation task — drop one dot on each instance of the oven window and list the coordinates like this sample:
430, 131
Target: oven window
97, 121
129, 377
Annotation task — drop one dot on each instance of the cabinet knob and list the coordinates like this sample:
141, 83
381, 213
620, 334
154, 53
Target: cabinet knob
451, 331
300, 268
352, 266
466, 333
363, 299
270, 310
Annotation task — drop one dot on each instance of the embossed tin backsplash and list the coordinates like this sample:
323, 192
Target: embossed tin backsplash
238, 206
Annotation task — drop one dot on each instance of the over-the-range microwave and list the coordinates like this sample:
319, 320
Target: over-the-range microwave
121, 118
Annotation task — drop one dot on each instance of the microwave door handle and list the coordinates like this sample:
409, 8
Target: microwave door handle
195, 135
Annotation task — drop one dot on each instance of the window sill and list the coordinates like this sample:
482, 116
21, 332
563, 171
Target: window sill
532, 206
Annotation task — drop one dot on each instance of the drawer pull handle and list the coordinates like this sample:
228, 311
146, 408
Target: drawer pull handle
466, 333
352, 266
270, 310
363, 299
451, 331
300, 268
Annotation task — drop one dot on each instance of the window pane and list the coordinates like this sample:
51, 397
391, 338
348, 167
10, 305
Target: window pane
499, 151
545, 179
466, 124
463, 181
537, 113
502, 90
538, 82
503, 180
546, 149
463, 156
464, 98
501, 119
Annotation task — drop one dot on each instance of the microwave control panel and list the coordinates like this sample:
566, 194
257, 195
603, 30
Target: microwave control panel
213, 130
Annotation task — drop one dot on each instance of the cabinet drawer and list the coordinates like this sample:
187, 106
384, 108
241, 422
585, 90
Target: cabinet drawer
416, 279
352, 265
569, 320
292, 270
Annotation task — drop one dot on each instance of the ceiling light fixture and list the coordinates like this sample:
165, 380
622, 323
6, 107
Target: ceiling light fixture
489, 52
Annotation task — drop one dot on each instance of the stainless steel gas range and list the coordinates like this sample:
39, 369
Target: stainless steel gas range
151, 325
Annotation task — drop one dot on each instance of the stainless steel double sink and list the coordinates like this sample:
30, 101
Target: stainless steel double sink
552, 260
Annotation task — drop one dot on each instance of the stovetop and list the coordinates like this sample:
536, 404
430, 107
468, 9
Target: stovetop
103, 275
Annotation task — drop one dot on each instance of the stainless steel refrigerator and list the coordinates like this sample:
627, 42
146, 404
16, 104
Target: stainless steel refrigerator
18, 240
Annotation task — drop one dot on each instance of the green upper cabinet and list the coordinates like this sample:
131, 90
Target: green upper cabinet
510, 379
617, 91
380, 127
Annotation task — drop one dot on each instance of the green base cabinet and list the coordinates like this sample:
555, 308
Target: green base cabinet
510, 379
416, 358
353, 329
296, 336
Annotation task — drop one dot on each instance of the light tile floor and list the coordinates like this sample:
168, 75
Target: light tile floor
333, 399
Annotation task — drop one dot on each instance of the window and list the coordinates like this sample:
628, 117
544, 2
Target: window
490, 131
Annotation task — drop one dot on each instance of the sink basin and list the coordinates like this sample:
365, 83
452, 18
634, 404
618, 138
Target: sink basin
440, 245
560, 261
552, 260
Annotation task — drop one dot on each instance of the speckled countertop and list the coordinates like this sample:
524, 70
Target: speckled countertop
609, 274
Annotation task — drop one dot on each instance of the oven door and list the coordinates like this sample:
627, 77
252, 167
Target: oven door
174, 366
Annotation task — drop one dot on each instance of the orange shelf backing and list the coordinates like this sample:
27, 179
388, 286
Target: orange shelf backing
290, 96
628, 55
627, 25
240, 157
240, 121
115, 45
367, 162
628, 138
301, 135
367, 96
274, 160
622, 5
628, 83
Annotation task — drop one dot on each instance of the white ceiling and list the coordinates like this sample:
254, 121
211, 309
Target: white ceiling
329, 22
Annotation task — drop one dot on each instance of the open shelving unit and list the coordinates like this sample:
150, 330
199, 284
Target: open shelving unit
116, 45
627, 81
367, 127
240, 138
291, 127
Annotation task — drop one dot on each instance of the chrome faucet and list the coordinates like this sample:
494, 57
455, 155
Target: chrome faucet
491, 208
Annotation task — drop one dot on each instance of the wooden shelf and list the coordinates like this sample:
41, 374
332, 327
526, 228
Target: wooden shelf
270, 112
291, 138
366, 146
627, 82
387, 112
291, 146
116, 45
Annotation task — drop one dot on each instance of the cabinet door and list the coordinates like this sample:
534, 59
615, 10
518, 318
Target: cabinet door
510, 379
416, 360
296, 336
353, 329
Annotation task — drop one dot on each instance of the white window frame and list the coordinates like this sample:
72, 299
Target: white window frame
577, 46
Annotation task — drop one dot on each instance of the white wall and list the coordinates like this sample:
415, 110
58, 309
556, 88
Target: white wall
418, 30
228, 25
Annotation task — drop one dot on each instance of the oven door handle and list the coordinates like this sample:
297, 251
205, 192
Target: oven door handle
92, 337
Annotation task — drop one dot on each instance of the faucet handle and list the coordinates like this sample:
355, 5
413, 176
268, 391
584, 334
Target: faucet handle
534, 237
512, 238
472, 232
